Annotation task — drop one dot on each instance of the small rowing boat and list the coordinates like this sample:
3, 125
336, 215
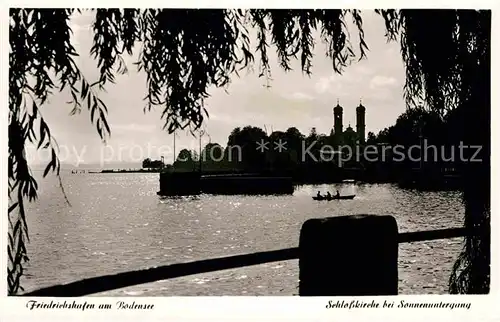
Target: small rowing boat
347, 197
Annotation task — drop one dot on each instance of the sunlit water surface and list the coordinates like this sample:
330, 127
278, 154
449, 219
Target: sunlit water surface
117, 223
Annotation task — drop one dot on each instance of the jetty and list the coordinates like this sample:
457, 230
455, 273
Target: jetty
193, 183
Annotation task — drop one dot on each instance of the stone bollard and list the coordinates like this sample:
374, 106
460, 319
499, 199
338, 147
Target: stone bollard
349, 256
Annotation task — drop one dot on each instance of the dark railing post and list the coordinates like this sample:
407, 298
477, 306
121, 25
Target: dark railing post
349, 256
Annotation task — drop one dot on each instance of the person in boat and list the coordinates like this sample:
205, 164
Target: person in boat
338, 194
319, 195
328, 195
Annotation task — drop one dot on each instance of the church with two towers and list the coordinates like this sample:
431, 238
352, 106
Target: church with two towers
349, 136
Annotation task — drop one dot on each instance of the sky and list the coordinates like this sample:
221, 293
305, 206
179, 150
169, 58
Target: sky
293, 99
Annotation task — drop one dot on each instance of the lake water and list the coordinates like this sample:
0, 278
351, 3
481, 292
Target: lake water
116, 223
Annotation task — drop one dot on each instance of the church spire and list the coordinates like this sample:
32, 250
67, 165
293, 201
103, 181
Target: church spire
337, 115
360, 121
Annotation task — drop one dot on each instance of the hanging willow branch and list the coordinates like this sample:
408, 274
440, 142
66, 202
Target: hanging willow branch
185, 52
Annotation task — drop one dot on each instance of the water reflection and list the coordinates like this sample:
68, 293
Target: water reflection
116, 225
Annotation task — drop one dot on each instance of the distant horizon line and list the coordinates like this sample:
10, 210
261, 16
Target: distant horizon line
96, 165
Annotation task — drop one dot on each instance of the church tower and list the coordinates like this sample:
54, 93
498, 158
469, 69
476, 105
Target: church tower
360, 122
337, 119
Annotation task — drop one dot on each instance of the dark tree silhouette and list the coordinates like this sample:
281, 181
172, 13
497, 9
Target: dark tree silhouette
152, 164
184, 52
146, 163
278, 155
212, 152
313, 134
294, 141
185, 156
246, 140
371, 138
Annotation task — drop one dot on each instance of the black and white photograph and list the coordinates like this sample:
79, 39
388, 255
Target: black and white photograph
165, 152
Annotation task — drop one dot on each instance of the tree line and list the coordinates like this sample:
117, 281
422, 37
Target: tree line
315, 155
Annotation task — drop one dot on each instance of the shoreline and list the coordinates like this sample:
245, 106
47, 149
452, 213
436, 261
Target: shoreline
411, 182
